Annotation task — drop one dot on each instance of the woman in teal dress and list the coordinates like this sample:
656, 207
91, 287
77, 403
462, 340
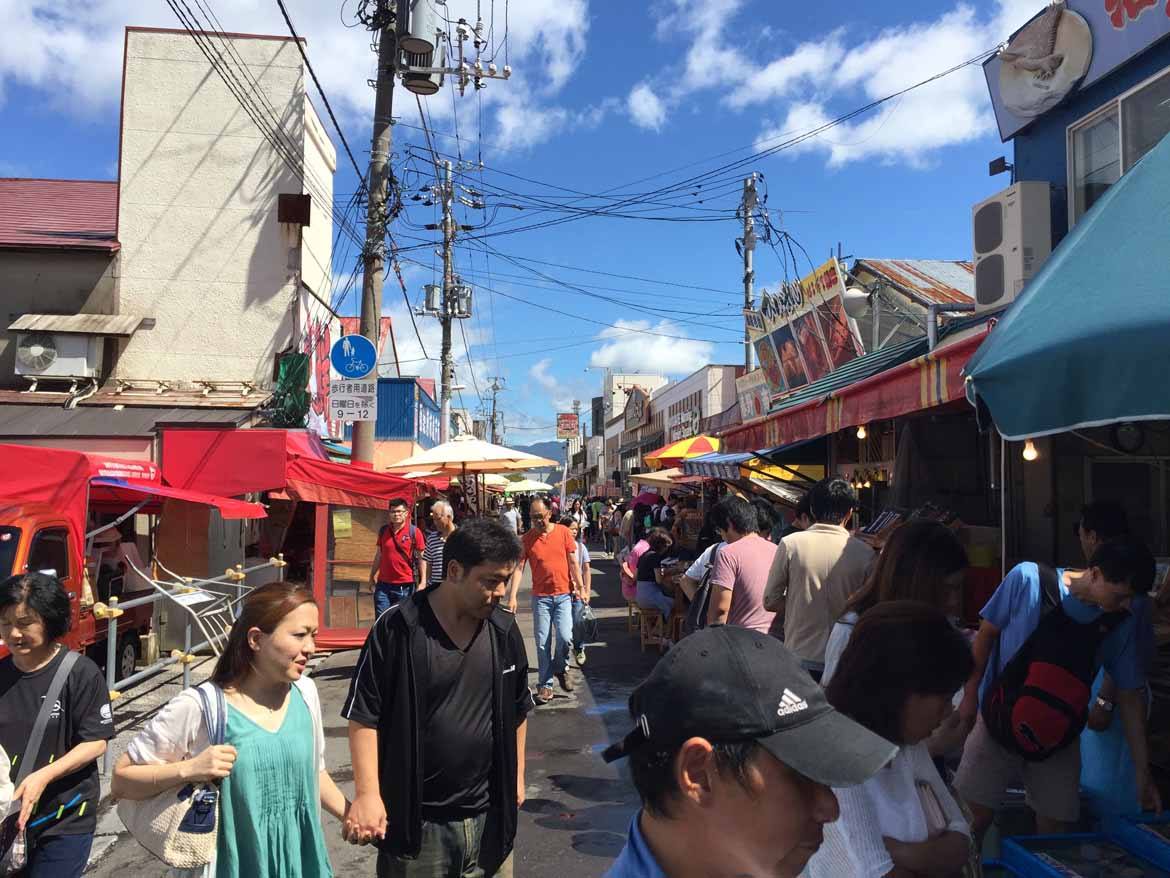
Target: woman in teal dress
270, 768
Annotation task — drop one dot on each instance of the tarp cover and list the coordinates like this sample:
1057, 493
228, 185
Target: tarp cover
293, 462
1085, 344
68, 480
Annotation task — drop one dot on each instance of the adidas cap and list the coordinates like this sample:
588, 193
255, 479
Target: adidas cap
729, 684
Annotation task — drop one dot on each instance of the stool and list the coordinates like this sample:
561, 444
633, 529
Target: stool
632, 611
653, 629
676, 626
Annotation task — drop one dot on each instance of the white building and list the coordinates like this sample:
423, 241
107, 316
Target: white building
685, 403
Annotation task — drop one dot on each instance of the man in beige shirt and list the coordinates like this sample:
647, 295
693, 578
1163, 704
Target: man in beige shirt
814, 573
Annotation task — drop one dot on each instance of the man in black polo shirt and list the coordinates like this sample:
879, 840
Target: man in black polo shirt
436, 711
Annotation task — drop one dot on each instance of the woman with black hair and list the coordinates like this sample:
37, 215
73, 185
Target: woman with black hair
650, 595
896, 677
60, 794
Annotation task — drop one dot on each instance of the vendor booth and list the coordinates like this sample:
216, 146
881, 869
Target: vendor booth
323, 516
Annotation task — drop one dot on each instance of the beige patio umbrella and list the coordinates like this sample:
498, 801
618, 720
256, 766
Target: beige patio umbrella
466, 454
527, 486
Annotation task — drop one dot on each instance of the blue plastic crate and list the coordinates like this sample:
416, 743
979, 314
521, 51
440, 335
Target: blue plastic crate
1145, 834
1087, 855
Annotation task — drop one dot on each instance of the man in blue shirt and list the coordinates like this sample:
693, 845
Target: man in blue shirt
733, 753
1120, 574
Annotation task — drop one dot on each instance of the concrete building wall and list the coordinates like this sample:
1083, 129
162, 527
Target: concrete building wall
51, 282
317, 237
202, 250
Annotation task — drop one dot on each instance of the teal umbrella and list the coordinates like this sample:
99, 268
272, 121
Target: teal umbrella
1088, 341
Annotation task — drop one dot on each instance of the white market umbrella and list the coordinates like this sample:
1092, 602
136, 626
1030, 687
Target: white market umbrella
466, 454
527, 486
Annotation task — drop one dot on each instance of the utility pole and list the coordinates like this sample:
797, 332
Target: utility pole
749, 275
374, 252
496, 388
446, 362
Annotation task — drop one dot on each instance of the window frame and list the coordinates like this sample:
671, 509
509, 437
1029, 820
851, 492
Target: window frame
1113, 105
50, 530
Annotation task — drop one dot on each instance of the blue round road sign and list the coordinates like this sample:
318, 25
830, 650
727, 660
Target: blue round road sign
353, 356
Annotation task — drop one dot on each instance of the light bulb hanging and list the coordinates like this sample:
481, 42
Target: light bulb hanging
1030, 452
861, 434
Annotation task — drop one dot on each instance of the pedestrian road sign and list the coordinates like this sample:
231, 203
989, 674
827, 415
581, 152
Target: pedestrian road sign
353, 400
353, 356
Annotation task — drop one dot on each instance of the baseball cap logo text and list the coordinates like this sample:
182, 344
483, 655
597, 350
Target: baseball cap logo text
791, 703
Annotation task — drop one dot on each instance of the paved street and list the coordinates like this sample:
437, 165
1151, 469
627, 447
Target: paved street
578, 808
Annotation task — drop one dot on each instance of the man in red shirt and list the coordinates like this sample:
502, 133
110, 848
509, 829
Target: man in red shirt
551, 552
395, 569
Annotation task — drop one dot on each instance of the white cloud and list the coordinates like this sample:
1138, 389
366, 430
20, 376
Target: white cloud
645, 107
820, 79
539, 373
639, 350
75, 59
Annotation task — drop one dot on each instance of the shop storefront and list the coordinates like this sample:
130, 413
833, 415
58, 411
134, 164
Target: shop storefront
323, 516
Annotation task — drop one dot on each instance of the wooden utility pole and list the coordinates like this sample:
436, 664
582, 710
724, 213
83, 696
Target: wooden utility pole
377, 213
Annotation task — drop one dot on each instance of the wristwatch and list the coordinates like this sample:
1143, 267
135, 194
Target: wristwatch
1106, 706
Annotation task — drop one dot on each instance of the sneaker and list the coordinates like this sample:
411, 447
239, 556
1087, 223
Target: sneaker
544, 695
580, 658
566, 683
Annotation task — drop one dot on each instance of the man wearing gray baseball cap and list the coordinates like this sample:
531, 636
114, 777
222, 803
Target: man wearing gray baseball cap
733, 752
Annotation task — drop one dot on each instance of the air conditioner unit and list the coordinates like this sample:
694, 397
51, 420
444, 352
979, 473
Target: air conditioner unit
58, 355
1013, 238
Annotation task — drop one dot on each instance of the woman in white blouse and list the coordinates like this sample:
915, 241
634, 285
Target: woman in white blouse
896, 677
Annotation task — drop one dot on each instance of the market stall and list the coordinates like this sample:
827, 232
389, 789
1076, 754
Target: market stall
324, 516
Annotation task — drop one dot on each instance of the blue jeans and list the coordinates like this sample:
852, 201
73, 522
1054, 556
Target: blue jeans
547, 611
387, 596
651, 597
58, 856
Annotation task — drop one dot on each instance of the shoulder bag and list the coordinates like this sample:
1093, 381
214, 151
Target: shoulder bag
701, 602
180, 826
12, 853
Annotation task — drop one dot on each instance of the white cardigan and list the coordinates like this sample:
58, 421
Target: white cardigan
177, 732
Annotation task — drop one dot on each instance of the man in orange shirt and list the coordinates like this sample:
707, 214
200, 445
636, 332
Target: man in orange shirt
551, 552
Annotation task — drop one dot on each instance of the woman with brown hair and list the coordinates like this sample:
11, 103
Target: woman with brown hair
271, 766
897, 676
650, 595
924, 561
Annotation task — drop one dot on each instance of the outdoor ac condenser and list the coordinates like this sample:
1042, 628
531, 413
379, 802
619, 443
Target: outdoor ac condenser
1013, 237
58, 355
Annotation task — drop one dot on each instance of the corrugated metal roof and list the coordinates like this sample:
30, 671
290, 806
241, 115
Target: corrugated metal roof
930, 281
59, 214
871, 364
54, 420
187, 399
80, 324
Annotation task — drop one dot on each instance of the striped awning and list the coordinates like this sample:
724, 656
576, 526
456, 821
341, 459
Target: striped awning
717, 465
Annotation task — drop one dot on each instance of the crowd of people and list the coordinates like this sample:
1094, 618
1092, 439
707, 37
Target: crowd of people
825, 713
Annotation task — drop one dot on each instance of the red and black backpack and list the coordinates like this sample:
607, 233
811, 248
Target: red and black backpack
1039, 703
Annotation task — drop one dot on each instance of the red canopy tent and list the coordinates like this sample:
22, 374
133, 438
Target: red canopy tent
71, 481
293, 465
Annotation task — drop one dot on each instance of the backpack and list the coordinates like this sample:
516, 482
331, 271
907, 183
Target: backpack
1039, 703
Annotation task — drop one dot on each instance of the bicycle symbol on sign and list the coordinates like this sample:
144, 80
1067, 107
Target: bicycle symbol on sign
357, 367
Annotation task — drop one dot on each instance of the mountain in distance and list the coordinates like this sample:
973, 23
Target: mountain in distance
551, 450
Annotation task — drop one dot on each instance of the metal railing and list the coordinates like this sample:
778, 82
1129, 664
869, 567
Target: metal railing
213, 622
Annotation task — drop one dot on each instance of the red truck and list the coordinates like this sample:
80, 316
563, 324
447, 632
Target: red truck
48, 499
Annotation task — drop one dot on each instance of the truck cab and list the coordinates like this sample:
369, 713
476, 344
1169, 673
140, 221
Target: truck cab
35, 538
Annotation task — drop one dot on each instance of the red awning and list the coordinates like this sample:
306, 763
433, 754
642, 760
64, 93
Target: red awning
68, 481
931, 380
118, 491
292, 462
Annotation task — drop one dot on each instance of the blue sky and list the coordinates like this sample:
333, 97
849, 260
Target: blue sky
604, 93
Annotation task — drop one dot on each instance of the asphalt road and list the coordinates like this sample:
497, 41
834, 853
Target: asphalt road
578, 808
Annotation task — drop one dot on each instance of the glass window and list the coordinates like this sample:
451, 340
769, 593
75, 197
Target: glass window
9, 540
1145, 115
1096, 161
50, 552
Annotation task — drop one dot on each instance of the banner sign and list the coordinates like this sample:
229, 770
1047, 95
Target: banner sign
1063, 50
684, 425
755, 396
637, 410
567, 425
801, 332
